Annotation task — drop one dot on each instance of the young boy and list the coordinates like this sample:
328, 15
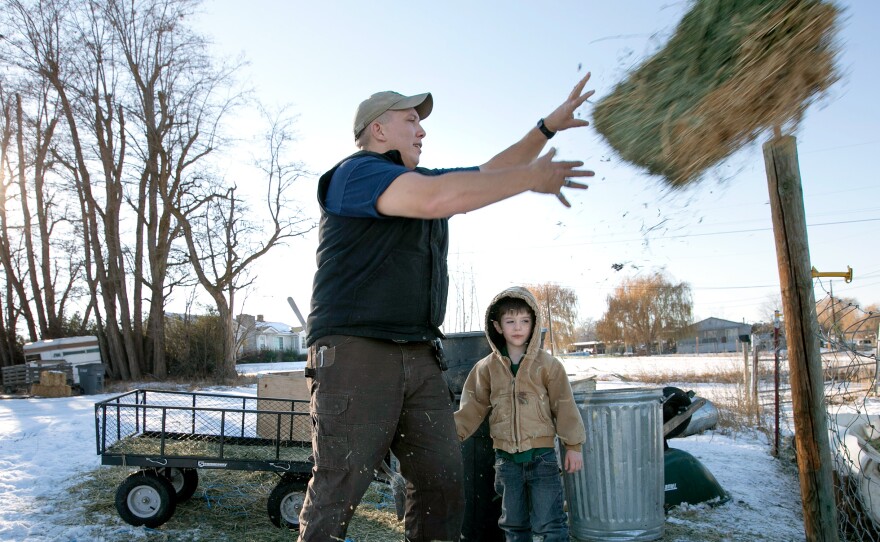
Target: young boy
526, 393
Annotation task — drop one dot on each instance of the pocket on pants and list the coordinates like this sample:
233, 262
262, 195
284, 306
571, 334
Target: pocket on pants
330, 437
330, 452
333, 404
548, 458
546, 464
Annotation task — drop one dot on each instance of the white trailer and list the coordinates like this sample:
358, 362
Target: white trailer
72, 350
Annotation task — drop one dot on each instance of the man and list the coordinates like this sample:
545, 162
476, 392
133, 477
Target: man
378, 300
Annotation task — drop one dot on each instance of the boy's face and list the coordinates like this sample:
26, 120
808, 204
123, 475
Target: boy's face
515, 327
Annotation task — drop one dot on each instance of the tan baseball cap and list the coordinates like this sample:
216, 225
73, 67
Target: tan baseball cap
380, 102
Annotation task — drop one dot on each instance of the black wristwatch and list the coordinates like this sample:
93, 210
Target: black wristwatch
544, 130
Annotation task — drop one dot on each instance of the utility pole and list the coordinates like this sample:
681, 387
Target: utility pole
801, 335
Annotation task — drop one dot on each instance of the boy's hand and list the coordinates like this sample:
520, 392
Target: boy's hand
574, 461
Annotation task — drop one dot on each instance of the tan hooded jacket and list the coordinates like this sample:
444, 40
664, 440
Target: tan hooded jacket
526, 411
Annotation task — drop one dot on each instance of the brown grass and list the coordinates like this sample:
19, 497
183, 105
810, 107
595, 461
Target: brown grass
228, 505
736, 409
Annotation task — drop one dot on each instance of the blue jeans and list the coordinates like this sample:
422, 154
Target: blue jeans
531, 499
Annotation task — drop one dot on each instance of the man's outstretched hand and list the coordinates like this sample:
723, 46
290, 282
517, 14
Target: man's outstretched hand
551, 175
562, 118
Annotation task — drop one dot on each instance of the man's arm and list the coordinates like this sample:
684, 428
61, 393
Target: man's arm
562, 118
511, 172
414, 195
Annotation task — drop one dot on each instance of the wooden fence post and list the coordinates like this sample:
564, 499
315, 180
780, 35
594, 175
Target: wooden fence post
801, 328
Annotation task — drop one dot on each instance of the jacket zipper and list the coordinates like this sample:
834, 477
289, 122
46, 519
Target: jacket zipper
515, 417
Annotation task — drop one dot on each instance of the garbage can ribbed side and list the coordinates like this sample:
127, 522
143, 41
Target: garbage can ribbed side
618, 495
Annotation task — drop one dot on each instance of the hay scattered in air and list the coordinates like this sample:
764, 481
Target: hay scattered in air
732, 69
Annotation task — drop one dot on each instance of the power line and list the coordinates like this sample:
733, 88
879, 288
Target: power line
707, 234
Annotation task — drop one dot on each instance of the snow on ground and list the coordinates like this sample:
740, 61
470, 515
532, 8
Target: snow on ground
46, 443
254, 369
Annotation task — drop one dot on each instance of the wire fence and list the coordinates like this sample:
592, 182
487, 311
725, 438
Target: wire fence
848, 336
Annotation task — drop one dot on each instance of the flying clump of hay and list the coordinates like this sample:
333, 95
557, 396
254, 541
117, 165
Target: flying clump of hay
733, 69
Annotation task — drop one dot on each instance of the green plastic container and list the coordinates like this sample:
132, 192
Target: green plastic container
688, 481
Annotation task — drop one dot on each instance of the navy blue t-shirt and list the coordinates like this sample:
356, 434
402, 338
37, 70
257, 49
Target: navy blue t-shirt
357, 184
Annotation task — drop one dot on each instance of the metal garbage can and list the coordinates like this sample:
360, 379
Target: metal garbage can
618, 495
91, 378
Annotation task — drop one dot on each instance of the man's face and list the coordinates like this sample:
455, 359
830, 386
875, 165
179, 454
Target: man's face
404, 133
515, 327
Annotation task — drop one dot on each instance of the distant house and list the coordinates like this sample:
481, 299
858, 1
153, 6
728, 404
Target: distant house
257, 335
713, 336
592, 347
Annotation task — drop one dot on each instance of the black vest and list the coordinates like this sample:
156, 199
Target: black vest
384, 278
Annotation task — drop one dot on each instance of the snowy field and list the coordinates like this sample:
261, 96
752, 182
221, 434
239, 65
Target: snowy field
46, 445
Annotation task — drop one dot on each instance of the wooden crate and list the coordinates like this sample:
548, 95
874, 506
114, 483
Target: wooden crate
36, 368
14, 377
280, 386
21, 376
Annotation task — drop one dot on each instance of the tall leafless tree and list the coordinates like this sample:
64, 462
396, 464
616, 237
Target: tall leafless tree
223, 243
178, 100
140, 103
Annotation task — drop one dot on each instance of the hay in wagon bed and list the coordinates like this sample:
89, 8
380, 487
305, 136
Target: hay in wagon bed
732, 69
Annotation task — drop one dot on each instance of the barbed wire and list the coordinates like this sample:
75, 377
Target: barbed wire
847, 335
848, 342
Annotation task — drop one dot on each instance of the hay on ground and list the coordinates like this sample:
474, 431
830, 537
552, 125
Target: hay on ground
207, 449
228, 505
732, 69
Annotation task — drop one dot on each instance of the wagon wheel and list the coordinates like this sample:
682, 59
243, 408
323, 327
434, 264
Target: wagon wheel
183, 480
286, 501
145, 499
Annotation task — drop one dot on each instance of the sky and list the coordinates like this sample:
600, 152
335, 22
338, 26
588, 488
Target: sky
494, 68
47, 445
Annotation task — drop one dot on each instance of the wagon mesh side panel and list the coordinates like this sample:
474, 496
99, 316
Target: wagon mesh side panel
211, 426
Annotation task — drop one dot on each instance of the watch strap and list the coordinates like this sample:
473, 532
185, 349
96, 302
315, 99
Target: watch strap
544, 130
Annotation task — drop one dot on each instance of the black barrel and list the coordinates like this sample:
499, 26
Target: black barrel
482, 504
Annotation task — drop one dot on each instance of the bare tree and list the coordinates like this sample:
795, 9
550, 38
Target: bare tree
177, 103
769, 306
559, 307
646, 310
140, 103
223, 243
586, 330
467, 317
65, 45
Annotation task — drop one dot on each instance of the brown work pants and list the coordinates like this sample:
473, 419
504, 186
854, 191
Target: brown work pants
369, 396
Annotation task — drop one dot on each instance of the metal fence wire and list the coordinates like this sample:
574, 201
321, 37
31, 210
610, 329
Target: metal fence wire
180, 425
847, 335
848, 339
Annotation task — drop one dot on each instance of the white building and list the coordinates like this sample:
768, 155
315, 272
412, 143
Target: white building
74, 351
257, 335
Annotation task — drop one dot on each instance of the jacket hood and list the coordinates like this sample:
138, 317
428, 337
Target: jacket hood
496, 340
